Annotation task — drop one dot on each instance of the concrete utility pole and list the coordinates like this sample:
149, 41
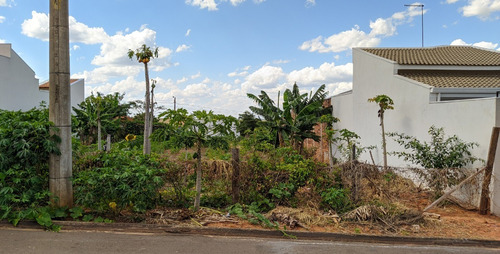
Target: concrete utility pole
60, 166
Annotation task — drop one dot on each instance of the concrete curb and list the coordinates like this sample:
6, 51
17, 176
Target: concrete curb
257, 233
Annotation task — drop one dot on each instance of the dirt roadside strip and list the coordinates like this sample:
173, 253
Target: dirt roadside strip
139, 228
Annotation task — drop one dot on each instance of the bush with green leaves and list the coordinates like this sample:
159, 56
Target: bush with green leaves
345, 142
126, 180
336, 199
442, 158
25, 146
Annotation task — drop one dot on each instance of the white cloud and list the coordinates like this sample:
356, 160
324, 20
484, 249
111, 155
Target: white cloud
188, 32
6, 3
80, 32
384, 27
310, 3
340, 42
481, 8
326, 73
203, 4
481, 44
2, 19
37, 26
182, 80
458, 42
451, 1
112, 61
346, 40
195, 76
236, 2
182, 47
265, 77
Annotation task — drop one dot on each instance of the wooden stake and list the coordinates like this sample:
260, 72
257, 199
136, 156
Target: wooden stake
485, 190
236, 175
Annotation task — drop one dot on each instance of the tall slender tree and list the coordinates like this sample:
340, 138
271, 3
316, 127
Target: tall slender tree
385, 103
144, 54
199, 128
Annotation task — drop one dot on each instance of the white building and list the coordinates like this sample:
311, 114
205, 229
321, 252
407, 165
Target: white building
454, 87
19, 88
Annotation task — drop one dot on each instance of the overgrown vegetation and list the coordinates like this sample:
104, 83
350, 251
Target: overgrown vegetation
25, 145
442, 159
277, 175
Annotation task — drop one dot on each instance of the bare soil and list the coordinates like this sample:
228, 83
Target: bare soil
455, 222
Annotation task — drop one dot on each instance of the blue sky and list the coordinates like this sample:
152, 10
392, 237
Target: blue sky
213, 52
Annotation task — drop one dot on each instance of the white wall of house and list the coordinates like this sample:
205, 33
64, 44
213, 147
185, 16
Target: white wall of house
18, 85
77, 93
19, 89
413, 114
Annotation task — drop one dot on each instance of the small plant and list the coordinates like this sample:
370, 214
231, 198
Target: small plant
346, 141
442, 158
385, 103
336, 199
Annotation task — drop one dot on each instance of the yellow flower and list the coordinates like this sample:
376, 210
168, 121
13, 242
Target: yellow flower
112, 205
130, 137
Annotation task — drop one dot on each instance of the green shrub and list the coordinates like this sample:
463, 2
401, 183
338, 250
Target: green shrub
441, 159
129, 180
25, 146
336, 199
282, 193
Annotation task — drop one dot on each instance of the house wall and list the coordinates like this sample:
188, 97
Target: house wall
19, 89
77, 94
413, 114
18, 85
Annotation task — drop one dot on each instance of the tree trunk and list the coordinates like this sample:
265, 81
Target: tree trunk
280, 139
151, 117
99, 140
147, 143
384, 146
236, 175
198, 179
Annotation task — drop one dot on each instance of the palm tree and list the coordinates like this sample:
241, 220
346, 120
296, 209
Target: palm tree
303, 112
144, 55
273, 116
385, 103
296, 121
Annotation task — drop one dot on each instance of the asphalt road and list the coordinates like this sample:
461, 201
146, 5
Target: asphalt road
14, 241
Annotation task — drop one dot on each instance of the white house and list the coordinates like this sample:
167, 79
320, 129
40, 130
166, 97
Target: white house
19, 88
454, 87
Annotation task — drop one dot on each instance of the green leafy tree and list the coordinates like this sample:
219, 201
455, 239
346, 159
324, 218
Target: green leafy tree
296, 120
144, 54
99, 113
385, 103
272, 116
302, 112
441, 158
200, 128
247, 123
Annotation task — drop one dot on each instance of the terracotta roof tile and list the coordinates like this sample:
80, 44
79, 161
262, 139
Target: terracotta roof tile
454, 79
46, 85
444, 55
